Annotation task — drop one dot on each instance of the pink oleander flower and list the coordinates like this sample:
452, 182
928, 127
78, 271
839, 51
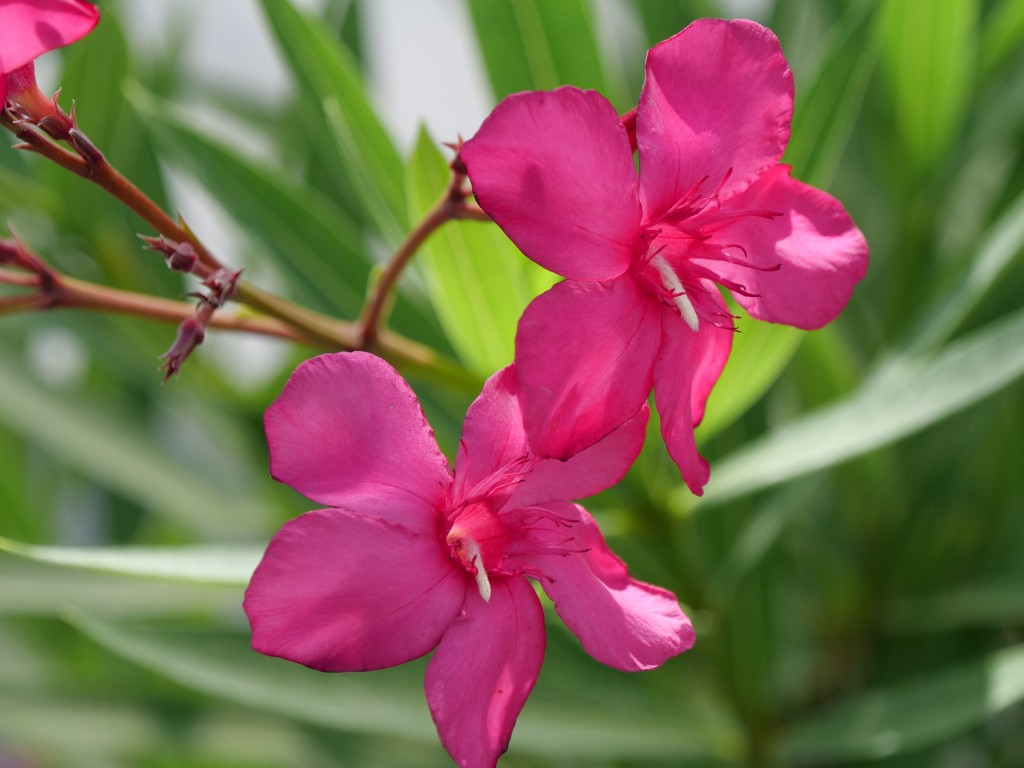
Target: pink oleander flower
642, 254
30, 28
412, 557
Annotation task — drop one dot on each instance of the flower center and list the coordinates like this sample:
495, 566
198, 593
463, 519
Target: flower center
674, 286
467, 552
683, 250
476, 540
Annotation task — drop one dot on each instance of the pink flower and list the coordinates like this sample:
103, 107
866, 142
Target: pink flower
30, 28
640, 308
410, 558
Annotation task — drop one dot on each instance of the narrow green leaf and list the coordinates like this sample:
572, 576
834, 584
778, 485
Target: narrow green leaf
663, 18
904, 396
388, 702
116, 454
230, 566
76, 733
827, 108
987, 605
96, 733
1002, 34
329, 77
478, 280
223, 665
534, 45
929, 51
915, 714
36, 588
760, 352
997, 250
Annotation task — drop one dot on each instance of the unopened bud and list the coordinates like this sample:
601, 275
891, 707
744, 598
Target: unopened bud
222, 286
180, 257
457, 165
190, 335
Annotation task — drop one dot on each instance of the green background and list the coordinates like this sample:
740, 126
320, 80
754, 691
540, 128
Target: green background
854, 571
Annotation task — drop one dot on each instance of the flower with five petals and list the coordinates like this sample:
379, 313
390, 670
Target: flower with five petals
412, 557
640, 308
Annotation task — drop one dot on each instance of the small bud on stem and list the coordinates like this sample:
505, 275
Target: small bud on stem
180, 256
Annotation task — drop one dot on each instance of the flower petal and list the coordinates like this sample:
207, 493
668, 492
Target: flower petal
584, 356
341, 591
689, 366
348, 431
495, 460
621, 622
483, 671
715, 107
555, 171
493, 440
588, 472
820, 253
30, 28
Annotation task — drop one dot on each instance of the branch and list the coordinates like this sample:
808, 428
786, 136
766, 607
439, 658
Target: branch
451, 205
86, 161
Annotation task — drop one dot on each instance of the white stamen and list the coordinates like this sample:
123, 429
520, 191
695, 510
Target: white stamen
671, 281
477, 561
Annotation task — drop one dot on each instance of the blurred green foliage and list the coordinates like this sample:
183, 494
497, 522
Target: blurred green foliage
854, 571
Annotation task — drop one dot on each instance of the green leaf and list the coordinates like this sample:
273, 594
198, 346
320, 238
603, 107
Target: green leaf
987, 605
915, 714
477, 279
388, 702
760, 352
94, 733
825, 112
534, 45
997, 251
928, 52
205, 564
663, 18
116, 454
223, 665
329, 77
904, 396
48, 589
1001, 35
77, 733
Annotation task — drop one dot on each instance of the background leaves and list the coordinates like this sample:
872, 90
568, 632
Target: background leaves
853, 571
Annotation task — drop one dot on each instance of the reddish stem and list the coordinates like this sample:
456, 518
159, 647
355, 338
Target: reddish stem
451, 205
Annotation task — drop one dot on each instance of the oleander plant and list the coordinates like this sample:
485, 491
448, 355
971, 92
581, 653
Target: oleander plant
699, 358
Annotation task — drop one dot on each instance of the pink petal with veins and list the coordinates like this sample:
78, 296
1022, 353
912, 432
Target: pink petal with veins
588, 472
493, 440
483, 671
584, 354
348, 431
687, 369
555, 171
621, 622
716, 105
819, 252
342, 591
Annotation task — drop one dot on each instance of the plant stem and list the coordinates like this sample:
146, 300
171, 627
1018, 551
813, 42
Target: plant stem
305, 325
450, 205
